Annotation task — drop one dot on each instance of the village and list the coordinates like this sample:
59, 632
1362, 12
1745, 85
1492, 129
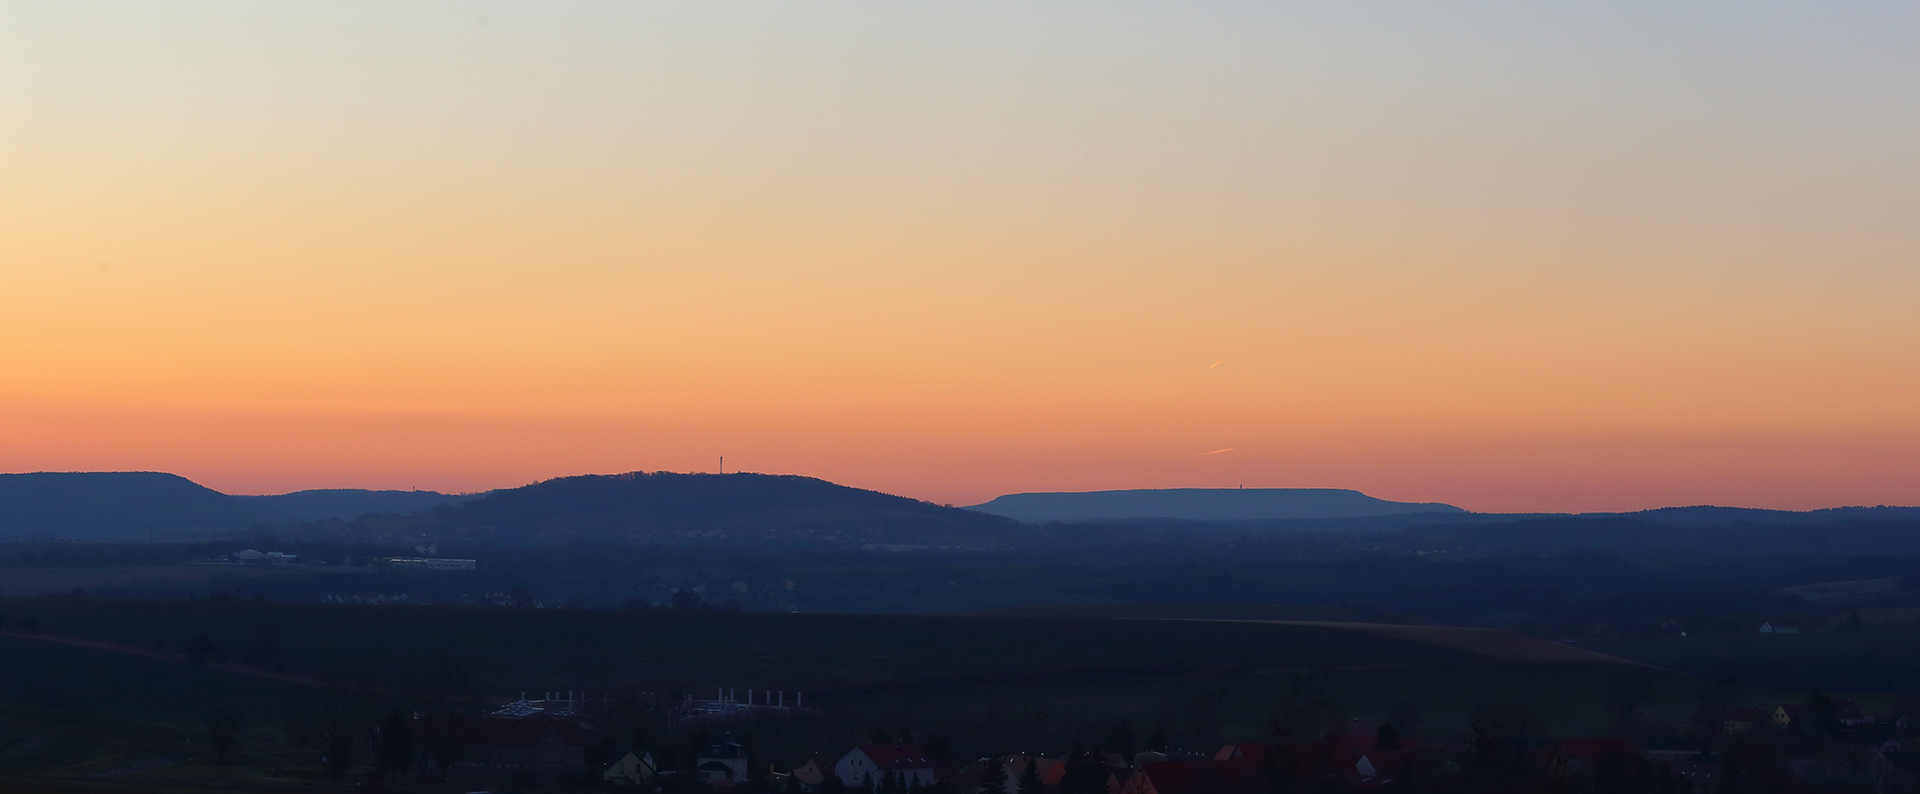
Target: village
563, 741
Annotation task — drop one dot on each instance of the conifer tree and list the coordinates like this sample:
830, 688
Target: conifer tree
993, 779
1030, 779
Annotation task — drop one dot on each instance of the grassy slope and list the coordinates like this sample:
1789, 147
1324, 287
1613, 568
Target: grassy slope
111, 709
512, 650
939, 668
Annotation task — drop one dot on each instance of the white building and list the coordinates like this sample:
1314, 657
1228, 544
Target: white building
908, 762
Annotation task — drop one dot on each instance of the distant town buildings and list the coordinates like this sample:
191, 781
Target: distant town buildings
257, 557
428, 564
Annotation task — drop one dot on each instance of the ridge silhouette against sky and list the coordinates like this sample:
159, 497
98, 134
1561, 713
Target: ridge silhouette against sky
1511, 258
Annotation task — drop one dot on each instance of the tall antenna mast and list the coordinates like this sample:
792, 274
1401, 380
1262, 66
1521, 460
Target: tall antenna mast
723, 464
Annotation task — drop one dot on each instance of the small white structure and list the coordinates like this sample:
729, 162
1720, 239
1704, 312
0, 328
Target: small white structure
1364, 766
432, 564
1769, 628
908, 762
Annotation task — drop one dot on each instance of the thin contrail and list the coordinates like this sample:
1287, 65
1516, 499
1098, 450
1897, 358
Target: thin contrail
1218, 451
1216, 363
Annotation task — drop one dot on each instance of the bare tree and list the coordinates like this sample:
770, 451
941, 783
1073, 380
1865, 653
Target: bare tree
332, 717
223, 732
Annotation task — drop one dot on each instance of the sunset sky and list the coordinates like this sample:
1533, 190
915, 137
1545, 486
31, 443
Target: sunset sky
1512, 257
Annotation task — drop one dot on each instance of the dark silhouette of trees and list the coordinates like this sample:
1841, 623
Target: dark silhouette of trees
1030, 779
1712, 709
1281, 769
396, 747
332, 717
1623, 700
1406, 717
1610, 776
1304, 710
1499, 729
223, 733
993, 779
1084, 773
688, 600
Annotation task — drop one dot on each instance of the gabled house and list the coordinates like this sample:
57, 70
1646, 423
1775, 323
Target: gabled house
723, 760
633, 769
908, 762
810, 774
1786, 714
1849, 713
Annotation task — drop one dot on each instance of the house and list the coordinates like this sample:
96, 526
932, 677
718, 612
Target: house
1845, 712
633, 769
722, 761
1769, 628
810, 774
530, 749
908, 762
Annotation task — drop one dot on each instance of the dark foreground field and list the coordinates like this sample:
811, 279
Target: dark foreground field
98, 688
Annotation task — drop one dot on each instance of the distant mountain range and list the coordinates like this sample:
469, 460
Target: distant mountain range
141, 505
663, 506
1204, 504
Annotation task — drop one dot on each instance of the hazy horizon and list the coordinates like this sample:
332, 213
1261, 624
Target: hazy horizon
1512, 257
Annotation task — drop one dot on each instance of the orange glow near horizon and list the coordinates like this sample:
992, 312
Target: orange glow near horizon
1494, 259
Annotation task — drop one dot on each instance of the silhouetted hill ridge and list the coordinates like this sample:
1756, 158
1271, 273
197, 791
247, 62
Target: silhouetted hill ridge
323, 503
1202, 504
137, 505
608, 506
